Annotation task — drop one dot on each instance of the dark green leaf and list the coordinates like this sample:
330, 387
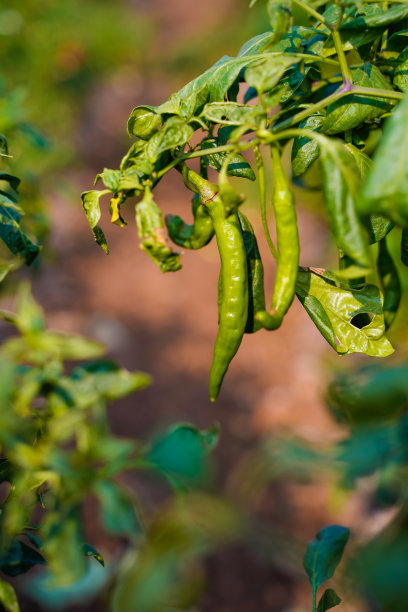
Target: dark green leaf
328, 600
90, 551
324, 553
118, 513
29, 558
385, 191
379, 19
12, 233
306, 150
389, 283
401, 71
404, 247
354, 110
90, 204
237, 166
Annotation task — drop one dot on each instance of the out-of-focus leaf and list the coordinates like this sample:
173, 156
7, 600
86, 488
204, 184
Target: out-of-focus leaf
279, 16
367, 450
373, 394
389, 282
90, 204
182, 450
328, 600
29, 316
352, 320
12, 233
385, 191
63, 548
379, 19
118, 513
324, 553
29, 558
111, 381
8, 597
90, 551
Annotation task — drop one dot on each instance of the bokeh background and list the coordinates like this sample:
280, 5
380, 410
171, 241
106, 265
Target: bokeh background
71, 72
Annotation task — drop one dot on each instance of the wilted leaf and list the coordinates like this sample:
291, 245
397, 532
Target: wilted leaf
90, 204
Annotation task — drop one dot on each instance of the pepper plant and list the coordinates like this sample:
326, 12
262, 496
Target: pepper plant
329, 87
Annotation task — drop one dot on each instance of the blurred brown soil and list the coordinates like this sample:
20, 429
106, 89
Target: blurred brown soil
166, 325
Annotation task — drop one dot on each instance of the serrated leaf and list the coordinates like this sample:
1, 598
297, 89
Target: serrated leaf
8, 597
328, 600
385, 191
90, 204
354, 110
324, 553
338, 310
118, 513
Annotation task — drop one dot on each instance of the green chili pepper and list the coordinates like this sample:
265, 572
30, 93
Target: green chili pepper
193, 236
288, 248
256, 291
404, 246
233, 291
390, 283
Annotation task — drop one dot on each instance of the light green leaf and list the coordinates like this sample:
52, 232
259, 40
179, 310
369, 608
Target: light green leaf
280, 17
378, 19
328, 600
306, 150
109, 178
231, 113
63, 547
266, 74
90, 204
324, 553
8, 597
29, 316
385, 191
144, 121
353, 316
118, 513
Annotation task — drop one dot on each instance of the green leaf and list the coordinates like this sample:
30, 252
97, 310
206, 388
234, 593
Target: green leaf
352, 111
266, 74
324, 553
12, 233
118, 513
63, 547
306, 150
111, 381
154, 240
389, 283
353, 316
280, 17
90, 204
174, 133
231, 113
379, 19
339, 187
401, 71
8, 597
144, 122
90, 551
328, 600
181, 451
385, 191
237, 166
29, 316
372, 394
110, 179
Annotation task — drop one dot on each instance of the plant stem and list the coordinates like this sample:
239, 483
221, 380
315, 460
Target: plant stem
262, 195
311, 11
345, 70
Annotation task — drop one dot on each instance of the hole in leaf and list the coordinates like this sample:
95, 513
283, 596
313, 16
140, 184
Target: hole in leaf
362, 319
